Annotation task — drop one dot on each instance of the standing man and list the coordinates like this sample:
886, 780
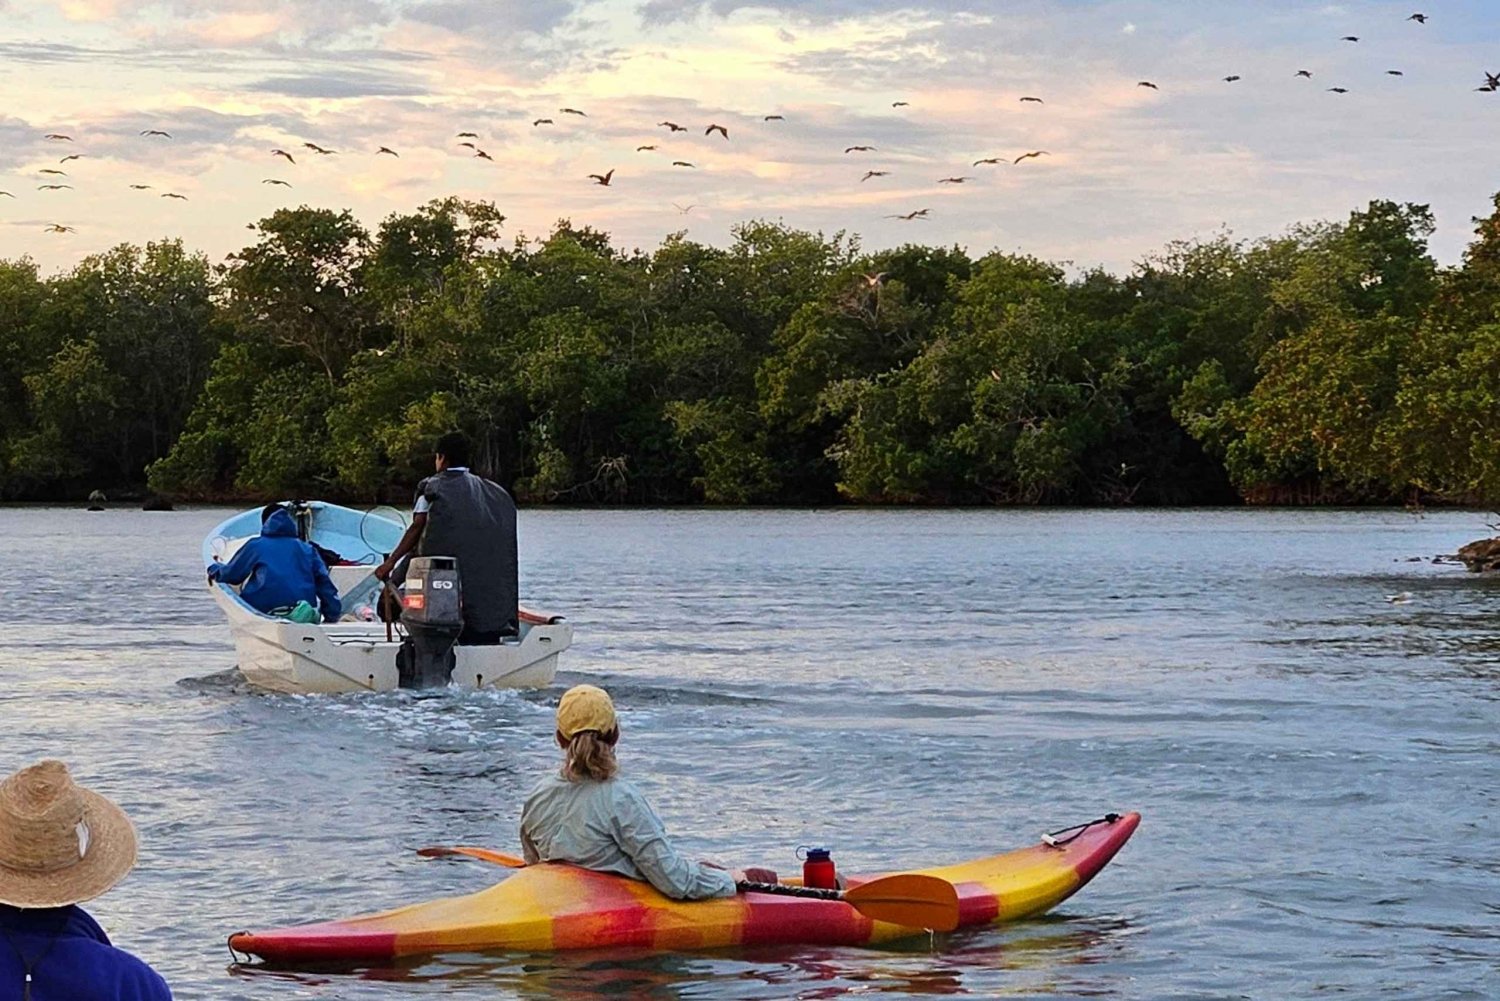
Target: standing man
473, 519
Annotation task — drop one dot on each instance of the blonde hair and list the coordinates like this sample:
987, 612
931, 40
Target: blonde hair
590, 757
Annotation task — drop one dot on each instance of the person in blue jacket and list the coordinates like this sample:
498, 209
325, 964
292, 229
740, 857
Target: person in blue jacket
277, 569
61, 844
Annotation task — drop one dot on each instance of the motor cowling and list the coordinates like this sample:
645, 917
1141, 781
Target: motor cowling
432, 613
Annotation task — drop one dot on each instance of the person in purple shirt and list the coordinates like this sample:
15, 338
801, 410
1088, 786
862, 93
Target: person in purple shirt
61, 844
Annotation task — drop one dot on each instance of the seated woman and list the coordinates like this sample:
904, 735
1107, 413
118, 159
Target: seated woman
590, 817
278, 570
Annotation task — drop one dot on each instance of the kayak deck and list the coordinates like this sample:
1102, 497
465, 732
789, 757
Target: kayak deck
555, 907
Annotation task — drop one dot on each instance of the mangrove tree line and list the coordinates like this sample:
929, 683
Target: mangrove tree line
1334, 363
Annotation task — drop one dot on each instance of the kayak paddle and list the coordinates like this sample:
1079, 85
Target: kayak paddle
483, 854
908, 899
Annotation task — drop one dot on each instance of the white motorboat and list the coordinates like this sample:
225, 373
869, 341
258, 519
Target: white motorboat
358, 653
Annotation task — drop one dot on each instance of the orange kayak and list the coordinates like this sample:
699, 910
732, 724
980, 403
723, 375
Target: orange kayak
551, 907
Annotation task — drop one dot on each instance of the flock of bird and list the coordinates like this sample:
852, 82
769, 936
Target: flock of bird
470, 141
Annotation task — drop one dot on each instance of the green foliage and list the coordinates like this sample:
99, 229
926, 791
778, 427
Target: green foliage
109, 359
1334, 361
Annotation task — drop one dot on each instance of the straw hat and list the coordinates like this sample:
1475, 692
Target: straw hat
59, 843
585, 707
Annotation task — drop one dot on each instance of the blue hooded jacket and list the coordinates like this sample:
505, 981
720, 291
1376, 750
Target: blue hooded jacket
71, 959
278, 570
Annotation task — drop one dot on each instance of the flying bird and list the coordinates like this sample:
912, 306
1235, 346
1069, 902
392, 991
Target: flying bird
873, 173
53, 187
955, 180
55, 228
1232, 79
900, 104
918, 214
603, 179
156, 132
72, 156
140, 187
58, 136
684, 163
1032, 100
173, 194
673, 126
7, 194
571, 111
1394, 73
1349, 38
1419, 18
876, 280
1030, 156
644, 149
684, 210
467, 135
1306, 73
469, 144
991, 159
774, 118
859, 149
387, 149
1148, 83
542, 121
282, 152
51, 170
481, 154
318, 149
1338, 90
272, 180
716, 128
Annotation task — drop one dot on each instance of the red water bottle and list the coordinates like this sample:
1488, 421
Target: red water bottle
817, 868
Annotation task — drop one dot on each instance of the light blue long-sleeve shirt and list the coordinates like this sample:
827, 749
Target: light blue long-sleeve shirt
611, 827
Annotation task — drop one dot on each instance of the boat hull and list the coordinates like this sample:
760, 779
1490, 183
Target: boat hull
355, 656
558, 907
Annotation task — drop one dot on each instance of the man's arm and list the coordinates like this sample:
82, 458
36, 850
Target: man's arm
407, 544
328, 595
237, 569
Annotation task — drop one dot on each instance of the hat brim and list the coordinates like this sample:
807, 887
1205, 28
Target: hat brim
111, 854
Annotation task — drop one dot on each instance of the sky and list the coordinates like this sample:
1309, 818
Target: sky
1128, 168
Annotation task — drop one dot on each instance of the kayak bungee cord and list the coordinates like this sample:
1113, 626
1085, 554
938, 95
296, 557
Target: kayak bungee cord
1056, 840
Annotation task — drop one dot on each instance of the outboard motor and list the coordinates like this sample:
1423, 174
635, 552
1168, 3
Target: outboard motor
432, 612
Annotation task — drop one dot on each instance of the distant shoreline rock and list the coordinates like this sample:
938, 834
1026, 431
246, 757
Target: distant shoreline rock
1480, 556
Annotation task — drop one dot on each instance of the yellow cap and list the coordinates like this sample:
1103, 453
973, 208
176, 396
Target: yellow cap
584, 707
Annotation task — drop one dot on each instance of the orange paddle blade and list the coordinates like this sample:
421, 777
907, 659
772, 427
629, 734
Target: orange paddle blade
483, 854
911, 900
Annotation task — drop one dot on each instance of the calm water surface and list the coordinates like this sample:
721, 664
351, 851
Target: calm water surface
1318, 769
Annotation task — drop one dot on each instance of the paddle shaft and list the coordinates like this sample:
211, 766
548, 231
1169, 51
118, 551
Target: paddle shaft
782, 889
